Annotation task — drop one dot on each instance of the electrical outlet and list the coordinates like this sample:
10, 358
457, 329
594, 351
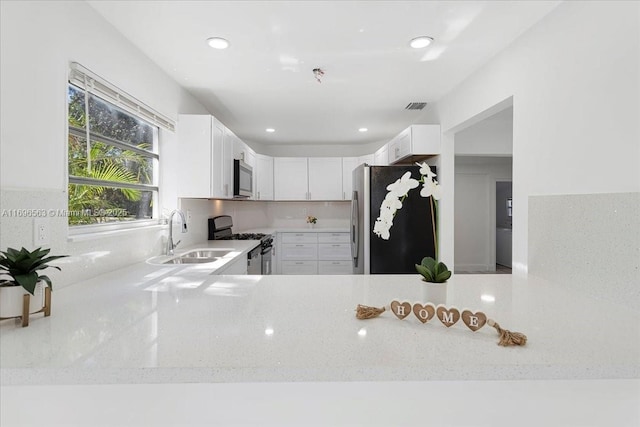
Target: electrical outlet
40, 231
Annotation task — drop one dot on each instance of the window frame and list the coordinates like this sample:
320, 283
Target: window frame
91, 81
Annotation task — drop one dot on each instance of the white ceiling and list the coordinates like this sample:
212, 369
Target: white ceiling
265, 78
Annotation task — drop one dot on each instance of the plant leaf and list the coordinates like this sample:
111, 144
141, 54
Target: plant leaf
424, 272
443, 276
429, 263
27, 281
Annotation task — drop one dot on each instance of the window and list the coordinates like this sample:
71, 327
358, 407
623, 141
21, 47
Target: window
112, 153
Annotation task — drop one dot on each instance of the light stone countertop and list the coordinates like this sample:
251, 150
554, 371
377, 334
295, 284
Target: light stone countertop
168, 324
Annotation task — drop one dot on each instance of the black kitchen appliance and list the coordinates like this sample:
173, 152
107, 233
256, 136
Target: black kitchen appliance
259, 258
411, 236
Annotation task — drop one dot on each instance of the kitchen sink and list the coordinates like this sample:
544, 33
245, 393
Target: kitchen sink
199, 256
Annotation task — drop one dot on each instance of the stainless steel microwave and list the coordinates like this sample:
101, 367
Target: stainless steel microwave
242, 179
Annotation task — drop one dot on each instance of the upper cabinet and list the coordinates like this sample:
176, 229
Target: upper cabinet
206, 157
325, 178
416, 140
381, 157
348, 165
263, 177
313, 178
290, 178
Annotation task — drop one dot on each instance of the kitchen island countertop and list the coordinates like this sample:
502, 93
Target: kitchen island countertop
150, 324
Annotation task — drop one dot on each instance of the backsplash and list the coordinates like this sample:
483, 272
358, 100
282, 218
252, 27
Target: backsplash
249, 215
590, 242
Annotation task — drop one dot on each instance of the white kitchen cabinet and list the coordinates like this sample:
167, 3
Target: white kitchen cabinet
236, 267
314, 252
367, 158
313, 178
348, 165
263, 177
299, 267
225, 164
416, 140
290, 178
325, 178
381, 157
335, 267
205, 158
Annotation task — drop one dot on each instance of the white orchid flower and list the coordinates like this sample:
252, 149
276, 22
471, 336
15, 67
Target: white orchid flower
431, 188
402, 186
425, 170
381, 229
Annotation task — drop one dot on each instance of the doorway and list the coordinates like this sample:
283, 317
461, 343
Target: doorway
483, 183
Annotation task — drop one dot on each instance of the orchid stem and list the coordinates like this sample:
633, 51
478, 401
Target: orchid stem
433, 225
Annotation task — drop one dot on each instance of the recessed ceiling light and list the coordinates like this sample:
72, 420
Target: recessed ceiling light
270, 130
218, 43
420, 42
363, 130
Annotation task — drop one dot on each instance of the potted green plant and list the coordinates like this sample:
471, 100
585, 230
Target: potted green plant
23, 267
433, 271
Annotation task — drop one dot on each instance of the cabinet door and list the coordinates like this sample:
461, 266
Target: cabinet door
299, 251
334, 251
380, 158
348, 165
290, 178
226, 164
325, 178
335, 267
367, 158
263, 175
299, 267
400, 146
195, 153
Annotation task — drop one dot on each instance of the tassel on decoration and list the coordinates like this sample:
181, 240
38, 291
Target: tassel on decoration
508, 338
366, 312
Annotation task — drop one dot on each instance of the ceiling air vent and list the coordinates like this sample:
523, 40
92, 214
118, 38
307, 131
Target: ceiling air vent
415, 106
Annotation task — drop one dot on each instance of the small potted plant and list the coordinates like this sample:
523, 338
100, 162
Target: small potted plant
23, 267
312, 220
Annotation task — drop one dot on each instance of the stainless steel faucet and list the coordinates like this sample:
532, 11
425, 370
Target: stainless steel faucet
170, 245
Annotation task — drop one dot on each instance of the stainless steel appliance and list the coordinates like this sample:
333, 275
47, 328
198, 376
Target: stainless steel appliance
242, 179
259, 258
412, 232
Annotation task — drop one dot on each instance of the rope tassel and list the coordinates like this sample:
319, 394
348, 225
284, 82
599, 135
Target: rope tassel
366, 312
508, 338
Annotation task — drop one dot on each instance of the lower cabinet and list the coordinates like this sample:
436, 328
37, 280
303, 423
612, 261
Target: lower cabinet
315, 252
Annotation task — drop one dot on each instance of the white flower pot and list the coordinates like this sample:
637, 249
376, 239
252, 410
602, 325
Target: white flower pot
12, 298
435, 293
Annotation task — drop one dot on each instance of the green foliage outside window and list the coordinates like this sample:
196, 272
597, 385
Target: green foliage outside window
111, 174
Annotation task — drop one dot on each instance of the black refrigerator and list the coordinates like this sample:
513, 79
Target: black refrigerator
411, 236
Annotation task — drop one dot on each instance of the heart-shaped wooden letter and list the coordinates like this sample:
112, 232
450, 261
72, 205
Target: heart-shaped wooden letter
448, 317
474, 321
424, 313
401, 310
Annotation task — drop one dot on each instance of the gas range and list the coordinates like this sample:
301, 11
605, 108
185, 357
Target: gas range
259, 258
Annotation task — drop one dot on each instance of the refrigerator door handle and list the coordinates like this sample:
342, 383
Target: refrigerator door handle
355, 238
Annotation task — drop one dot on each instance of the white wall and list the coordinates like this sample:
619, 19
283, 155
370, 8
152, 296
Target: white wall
490, 137
38, 40
575, 81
